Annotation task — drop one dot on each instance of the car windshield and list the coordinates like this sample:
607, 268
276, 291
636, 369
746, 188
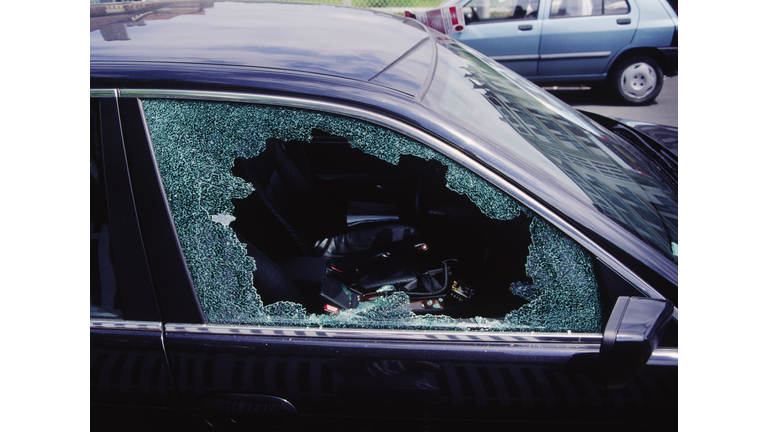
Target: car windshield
530, 126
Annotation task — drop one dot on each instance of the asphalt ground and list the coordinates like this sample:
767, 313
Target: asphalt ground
663, 110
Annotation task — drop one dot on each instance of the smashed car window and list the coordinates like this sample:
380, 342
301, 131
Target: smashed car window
292, 217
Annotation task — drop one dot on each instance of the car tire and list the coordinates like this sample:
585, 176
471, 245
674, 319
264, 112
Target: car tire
637, 80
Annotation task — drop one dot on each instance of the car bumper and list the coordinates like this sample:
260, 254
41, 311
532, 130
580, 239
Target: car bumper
670, 56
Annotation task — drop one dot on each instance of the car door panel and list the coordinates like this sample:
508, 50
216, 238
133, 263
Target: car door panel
563, 42
374, 385
513, 43
131, 386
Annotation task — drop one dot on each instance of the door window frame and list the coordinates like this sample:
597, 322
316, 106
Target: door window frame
445, 148
134, 282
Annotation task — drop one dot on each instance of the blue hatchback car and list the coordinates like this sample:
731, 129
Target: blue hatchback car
622, 46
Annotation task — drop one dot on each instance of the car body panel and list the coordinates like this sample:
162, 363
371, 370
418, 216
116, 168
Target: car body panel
654, 28
667, 135
343, 383
131, 383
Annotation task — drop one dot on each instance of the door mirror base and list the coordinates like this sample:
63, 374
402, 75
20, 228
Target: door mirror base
633, 331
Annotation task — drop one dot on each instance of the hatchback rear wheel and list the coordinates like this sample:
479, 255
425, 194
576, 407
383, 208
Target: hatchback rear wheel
638, 80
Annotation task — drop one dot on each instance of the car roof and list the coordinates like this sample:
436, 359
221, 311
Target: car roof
337, 41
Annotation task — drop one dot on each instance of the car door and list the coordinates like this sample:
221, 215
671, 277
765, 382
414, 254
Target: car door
131, 385
580, 38
371, 360
506, 31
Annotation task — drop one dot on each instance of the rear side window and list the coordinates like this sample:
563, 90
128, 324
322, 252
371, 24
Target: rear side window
105, 303
290, 217
615, 7
576, 8
492, 10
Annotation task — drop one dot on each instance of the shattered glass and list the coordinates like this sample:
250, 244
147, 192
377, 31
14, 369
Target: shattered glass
195, 146
564, 291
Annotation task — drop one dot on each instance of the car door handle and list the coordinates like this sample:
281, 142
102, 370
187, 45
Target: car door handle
240, 412
623, 21
525, 27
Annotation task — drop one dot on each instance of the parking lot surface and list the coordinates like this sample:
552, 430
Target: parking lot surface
662, 111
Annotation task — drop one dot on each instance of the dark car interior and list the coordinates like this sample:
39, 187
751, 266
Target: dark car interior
332, 227
522, 11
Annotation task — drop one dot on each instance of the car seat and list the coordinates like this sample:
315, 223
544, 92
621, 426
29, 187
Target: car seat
284, 185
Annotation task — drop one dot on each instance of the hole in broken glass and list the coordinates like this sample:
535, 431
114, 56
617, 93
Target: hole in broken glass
377, 209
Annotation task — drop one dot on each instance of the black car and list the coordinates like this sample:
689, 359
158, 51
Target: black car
311, 217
